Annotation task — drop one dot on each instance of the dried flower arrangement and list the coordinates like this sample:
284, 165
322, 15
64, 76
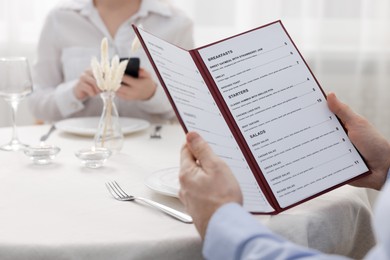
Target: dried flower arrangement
108, 76
108, 79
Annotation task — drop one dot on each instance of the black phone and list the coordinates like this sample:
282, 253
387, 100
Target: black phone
132, 66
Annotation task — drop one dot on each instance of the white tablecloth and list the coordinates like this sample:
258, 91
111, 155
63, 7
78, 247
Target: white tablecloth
63, 210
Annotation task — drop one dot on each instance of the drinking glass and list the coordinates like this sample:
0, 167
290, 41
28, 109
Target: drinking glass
15, 85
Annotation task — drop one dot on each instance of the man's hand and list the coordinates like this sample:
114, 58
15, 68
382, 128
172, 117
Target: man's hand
370, 143
141, 88
86, 86
206, 182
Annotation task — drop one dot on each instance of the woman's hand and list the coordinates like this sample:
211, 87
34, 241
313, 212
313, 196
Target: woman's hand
86, 86
141, 88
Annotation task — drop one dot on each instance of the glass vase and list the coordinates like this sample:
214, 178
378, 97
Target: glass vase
109, 134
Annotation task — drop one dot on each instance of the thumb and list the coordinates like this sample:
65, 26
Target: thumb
201, 150
142, 73
341, 110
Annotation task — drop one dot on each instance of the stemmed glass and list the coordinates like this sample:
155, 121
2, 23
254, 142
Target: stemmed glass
15, 85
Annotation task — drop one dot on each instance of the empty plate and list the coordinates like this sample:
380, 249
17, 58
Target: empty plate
87, 126
165, 181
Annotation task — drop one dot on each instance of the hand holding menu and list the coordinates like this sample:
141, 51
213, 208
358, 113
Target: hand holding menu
253, 98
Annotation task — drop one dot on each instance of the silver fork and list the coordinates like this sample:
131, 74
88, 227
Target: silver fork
119, 194
45, 136
157, 132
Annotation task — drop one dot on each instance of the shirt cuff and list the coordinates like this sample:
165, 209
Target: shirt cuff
388, 176
66, 101
229, 228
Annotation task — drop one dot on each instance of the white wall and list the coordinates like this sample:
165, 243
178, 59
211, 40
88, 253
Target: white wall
346, 42
20, 24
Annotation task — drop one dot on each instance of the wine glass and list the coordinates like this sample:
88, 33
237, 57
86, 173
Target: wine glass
15, 85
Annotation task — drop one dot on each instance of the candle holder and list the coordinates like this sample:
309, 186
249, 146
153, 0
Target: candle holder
42, 154
93, 157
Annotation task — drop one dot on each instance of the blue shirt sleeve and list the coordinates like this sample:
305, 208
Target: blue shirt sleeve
382, 224
233, 233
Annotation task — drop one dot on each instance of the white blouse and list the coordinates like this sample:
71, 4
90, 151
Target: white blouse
71, 36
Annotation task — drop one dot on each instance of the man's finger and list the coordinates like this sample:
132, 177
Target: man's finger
342, 111
188, 167
201, 150
187, 160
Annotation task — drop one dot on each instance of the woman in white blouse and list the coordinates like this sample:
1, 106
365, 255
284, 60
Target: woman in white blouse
63, 83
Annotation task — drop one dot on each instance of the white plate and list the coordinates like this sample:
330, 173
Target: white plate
165, 181
87, 126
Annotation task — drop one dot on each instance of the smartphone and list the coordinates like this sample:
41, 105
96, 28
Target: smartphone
132, 66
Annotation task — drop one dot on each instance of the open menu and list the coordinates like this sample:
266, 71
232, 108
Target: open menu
253, 98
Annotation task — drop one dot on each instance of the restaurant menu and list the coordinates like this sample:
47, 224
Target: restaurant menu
253, 98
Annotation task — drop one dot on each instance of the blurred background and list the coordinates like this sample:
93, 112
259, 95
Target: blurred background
345, 42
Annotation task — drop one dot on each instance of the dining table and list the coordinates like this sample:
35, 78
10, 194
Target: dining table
63, 210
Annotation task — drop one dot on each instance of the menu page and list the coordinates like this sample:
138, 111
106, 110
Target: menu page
298, 143
199, 113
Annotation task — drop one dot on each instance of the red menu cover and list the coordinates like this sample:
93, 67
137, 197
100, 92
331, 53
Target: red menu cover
253, 98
